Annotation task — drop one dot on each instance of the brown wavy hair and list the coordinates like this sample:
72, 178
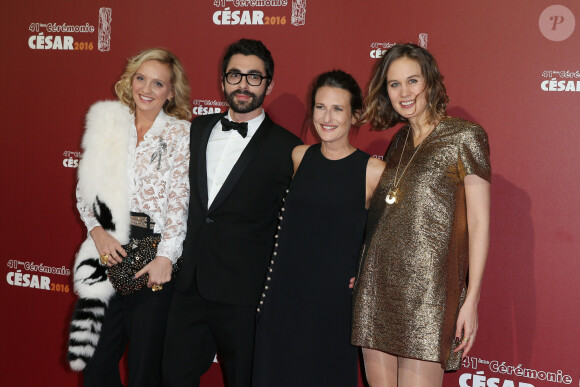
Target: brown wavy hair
179, 105
379, 110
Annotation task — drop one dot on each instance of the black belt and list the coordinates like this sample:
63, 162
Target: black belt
139, 219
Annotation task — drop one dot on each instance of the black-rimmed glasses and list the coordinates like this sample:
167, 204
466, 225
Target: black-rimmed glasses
234, 77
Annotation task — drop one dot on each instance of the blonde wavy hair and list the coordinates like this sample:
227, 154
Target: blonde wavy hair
379, 110
178, 106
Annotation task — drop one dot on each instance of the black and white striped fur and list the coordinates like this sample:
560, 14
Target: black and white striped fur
103, 183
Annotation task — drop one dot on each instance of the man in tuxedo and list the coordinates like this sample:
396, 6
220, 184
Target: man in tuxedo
239, 170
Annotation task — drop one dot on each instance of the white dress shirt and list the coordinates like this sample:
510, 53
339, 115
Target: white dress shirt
223, 151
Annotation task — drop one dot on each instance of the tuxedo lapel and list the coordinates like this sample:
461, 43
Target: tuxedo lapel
245, 158
201, 149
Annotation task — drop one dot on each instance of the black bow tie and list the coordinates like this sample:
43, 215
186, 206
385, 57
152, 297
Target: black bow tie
241, 127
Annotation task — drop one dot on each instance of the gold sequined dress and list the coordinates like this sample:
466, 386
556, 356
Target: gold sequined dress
412, 275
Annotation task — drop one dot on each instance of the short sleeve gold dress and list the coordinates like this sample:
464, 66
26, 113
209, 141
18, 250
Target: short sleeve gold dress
412, 275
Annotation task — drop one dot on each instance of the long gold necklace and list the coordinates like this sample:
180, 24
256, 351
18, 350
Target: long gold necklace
393, 194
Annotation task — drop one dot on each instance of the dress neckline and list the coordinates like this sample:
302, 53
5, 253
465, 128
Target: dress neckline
429, 136
319, 145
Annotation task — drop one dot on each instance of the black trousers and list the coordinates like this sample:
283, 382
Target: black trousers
139, 320
196, 328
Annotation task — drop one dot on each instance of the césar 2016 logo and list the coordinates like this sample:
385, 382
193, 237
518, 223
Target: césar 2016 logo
58, 42
257, 17
58, 35
36, 281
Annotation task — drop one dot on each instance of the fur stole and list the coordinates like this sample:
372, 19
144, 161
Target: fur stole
103, 184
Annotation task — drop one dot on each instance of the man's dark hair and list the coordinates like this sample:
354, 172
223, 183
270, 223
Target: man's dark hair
250, 47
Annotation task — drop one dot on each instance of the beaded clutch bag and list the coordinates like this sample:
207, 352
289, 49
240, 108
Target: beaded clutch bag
139, 253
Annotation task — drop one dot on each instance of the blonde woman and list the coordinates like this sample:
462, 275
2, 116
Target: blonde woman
133, 183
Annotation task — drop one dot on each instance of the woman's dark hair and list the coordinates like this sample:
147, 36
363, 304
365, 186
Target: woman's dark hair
379, 110
340, 80
250, 47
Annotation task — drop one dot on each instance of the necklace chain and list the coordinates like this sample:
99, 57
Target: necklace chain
392, 196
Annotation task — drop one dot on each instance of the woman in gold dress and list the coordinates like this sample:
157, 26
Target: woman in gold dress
428, 223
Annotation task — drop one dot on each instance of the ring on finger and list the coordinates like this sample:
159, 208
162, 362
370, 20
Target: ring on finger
465, 339
104, 258
156, 288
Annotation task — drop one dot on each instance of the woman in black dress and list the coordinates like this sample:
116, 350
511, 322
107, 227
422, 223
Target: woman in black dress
303, 331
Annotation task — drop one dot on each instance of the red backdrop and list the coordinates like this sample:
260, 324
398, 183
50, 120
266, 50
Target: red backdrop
511, 66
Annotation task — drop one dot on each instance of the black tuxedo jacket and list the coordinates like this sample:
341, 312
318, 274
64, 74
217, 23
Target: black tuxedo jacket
228, 245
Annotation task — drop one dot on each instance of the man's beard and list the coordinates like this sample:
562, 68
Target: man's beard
245, 106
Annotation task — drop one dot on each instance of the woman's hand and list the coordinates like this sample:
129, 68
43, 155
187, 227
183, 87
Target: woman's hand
106, 244
466, 323
159, 271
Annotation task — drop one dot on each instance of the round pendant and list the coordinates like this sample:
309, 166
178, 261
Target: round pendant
391, 197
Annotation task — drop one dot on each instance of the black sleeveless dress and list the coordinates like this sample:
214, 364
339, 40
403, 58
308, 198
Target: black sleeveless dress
304, 316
